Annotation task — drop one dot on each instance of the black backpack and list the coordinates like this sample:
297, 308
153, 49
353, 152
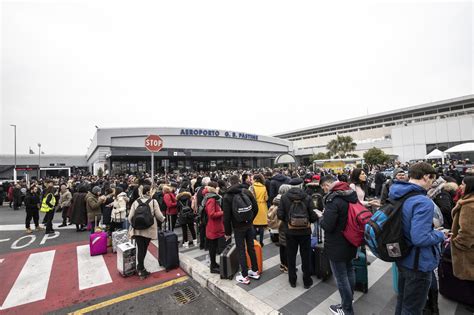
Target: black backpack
142, 218
298, 216
242, 208
185, 210
384, 232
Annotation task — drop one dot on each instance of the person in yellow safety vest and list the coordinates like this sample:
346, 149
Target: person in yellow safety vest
48, 202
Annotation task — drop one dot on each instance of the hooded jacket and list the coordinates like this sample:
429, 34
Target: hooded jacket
119, 209
183, 199
334, 221
417, 223
275, 184
229, 221
286, 200
215, 215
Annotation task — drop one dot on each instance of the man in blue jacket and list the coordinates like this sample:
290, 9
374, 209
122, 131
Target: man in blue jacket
416, 268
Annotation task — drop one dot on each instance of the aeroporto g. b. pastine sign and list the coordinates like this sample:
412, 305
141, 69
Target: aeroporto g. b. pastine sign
217, 133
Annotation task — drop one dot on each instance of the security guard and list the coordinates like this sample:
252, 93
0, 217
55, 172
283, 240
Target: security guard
47, 206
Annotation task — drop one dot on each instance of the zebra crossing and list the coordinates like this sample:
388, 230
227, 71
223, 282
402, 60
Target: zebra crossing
273, 288
65, 275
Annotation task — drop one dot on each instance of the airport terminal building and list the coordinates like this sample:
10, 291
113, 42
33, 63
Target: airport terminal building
122, 150
407, 134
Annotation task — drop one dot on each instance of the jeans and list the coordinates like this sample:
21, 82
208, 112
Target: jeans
259, 231
142, 247
345, 278
213, 251
413, 287
48, 218
185, 227
32, 214
292, 244
243, 239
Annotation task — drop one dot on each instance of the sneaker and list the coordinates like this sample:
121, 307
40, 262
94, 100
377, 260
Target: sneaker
29, 231
39, 228
283, 268
143, 274
186, 245
336, 309
195, 243
215, 269
62, 225
242, 279
254, 274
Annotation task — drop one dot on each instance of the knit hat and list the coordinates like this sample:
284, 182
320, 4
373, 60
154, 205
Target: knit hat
96, 190
397, 170
295, 181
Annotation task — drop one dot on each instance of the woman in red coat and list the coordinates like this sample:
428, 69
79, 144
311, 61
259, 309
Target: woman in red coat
215, 223
171, 206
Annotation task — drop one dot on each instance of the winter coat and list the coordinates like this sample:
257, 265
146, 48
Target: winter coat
462, 241
285, 205
215, 215
65, 199
334, 221
32, 201
275, 184
260, 193
273, 222
183, 198
78, 213
444, 200
10, 193
152, 231
119, 208
93, 206
417, 223
171, 204
229, 221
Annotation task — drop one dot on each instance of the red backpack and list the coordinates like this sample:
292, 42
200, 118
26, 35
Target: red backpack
357, 217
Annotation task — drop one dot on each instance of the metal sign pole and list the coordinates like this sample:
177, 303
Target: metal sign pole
152, 168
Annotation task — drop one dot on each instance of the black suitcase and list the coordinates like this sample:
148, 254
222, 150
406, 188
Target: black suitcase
320, 260
229, 262
451, 287
168, 256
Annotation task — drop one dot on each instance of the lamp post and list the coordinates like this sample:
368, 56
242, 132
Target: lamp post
39, 161
14, 170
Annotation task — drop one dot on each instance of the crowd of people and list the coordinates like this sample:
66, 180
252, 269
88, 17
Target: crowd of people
289, 202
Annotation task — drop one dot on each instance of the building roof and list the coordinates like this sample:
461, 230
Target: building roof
398, 112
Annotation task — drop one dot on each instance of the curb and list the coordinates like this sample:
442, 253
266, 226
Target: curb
231, 294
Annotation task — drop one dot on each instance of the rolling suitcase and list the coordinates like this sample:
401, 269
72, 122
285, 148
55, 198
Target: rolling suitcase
395, 277
126, 259
98, 242
321, 266
258, 252
168, 256
229, 262
119, 237
360, 266
452, 287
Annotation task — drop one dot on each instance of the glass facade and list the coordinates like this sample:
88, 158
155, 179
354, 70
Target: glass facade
137, 165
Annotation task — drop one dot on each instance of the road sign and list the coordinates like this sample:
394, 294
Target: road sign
153, 143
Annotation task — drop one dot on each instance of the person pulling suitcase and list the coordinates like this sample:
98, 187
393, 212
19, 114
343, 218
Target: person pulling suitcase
143, 216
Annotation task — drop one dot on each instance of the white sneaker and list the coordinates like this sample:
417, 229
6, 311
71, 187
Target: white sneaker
242, 279
185, 245
254, 274
195, 243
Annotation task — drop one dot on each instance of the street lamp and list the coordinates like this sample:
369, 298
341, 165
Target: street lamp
14, 170
39, 161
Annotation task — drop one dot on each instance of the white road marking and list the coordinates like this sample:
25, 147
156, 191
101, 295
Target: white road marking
92, 270
32, 283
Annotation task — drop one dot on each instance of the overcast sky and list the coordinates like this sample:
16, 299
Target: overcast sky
255, 66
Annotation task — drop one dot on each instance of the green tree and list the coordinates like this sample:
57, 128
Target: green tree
375, 156
320, 156
341, 146
100, 172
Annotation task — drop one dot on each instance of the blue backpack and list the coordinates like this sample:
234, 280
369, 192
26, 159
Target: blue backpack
384, 233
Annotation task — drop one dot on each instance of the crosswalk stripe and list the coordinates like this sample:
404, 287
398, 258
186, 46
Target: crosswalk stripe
32, 282
92, 270
376, 270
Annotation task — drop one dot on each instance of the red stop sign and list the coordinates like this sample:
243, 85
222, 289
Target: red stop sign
153, 143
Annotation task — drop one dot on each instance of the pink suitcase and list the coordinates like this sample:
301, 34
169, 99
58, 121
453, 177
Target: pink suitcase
98, 243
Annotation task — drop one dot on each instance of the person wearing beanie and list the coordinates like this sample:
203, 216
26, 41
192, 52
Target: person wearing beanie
398, 175
93, 206
296, 201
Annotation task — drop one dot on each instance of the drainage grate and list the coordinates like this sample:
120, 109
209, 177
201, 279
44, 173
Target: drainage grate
186, 295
